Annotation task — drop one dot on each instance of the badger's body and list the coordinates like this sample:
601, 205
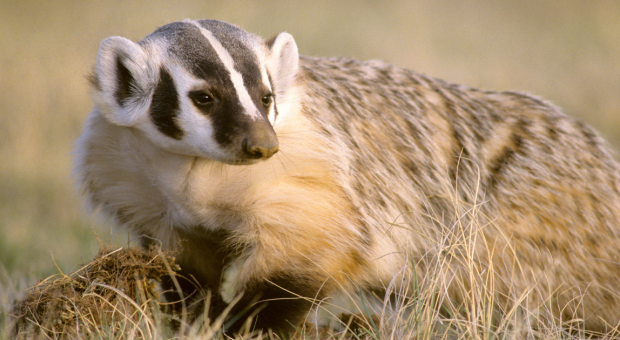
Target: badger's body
376, 167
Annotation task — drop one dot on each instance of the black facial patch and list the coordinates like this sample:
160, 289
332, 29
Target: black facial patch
125, 82
229, 122
165, 106
246, 61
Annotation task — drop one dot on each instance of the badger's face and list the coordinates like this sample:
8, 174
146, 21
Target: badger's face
200, 88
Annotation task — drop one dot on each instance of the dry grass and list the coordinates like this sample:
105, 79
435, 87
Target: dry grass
567, 52
448, 294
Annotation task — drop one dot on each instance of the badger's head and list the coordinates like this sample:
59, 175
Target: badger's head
200, 88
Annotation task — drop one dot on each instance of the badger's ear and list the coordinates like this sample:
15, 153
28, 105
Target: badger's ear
124, 78
282, 62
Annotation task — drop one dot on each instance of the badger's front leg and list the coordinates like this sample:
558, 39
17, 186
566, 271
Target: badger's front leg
201, 255
278, 303
281, 278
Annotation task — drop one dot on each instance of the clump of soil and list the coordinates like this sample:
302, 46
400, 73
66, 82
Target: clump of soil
117, 285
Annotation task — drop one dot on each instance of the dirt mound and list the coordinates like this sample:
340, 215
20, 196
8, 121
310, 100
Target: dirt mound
117, 285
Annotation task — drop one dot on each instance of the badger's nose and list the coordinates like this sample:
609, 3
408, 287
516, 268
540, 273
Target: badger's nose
259, 150
261, 141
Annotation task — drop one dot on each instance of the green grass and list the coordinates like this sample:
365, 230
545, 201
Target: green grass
567, 52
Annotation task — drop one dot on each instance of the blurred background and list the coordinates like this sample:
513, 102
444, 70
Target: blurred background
565, 51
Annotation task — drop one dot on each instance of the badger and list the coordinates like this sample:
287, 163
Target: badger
299, 177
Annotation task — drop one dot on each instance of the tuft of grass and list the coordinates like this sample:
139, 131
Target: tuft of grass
113, 296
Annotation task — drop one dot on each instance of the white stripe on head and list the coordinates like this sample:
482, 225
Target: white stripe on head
235, 76
260, 51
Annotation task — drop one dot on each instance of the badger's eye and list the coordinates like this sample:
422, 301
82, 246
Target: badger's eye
202, 98
267, 99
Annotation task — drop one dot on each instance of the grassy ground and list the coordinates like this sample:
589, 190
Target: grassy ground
567, 52
114, 297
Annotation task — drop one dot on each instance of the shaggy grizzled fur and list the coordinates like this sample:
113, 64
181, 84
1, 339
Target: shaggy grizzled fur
375, 167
